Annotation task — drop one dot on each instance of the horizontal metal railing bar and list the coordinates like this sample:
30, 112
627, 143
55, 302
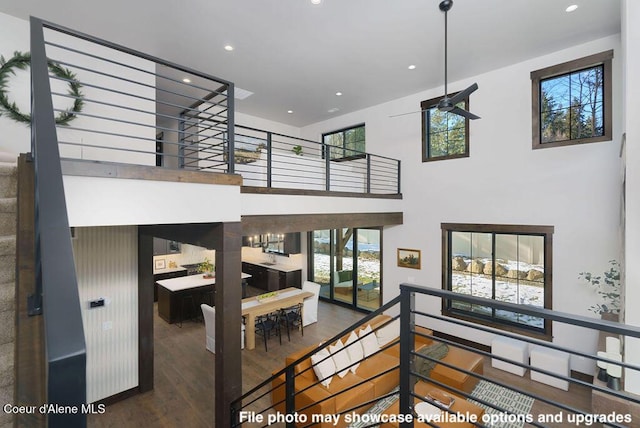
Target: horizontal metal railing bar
133, 52
124, 79
553, 315
531, 340
129, 66
122, 107
115, 91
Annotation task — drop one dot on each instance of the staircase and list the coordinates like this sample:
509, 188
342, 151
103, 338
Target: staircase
8, 204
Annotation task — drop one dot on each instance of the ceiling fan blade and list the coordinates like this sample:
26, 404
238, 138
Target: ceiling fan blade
460, 96
464, 113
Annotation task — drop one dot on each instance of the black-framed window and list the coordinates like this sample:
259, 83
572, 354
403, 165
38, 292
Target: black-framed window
346, 144
444, 135
506, 263
571, 102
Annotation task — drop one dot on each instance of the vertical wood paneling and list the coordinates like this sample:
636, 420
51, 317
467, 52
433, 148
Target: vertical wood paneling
107, 267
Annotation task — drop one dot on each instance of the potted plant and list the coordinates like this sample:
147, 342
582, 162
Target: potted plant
207, 268
607, 286
297, 150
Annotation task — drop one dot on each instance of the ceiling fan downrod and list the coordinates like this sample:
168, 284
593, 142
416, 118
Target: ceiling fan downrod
445, 6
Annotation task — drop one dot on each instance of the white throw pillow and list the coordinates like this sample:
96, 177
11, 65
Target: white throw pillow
323, 366
388, 333
369, 342
340, 358
355, 351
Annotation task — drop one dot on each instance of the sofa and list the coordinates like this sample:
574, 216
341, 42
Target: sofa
335, 396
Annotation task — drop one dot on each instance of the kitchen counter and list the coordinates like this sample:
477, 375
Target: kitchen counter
180, 298
191, 281
169, 270
278, 266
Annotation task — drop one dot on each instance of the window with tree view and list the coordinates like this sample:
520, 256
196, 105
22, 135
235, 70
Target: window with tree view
572, 102
444, 135
345, 144
505, 263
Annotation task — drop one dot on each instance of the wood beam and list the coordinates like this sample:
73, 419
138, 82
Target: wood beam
256, 224
228, 301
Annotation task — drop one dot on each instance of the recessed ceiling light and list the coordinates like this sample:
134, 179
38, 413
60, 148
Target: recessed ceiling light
316, 1
228, 48
290, 111
338, 94
186, 80
411, 67
571, 8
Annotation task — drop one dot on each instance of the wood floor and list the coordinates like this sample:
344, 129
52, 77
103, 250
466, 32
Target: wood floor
184, 384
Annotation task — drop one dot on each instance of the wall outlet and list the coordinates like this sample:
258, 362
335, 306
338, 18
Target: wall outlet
107, 325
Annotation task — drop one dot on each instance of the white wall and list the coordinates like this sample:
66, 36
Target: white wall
631, 45
15, 137
575, 189
107, 267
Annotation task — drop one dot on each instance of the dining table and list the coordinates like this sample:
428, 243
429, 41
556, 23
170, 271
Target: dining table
253, 307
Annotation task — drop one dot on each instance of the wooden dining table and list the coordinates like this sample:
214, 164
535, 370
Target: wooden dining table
252, 307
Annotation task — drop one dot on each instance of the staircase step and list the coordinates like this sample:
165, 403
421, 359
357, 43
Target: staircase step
8, 207
8, 180
7, 245
7, 296
7, 327
6, 364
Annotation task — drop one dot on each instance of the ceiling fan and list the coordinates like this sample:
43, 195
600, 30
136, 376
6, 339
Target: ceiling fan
448, 104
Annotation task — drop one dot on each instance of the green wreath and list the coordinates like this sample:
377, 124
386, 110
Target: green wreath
22, 61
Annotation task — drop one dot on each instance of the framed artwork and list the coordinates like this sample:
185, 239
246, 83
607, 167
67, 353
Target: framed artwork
409, 258
160, 264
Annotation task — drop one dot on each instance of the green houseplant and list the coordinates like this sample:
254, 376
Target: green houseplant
207, 268
607, 286
297, 150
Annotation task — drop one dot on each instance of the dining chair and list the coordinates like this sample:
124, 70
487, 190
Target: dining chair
291, 317
265, 324
209, 315
310, 308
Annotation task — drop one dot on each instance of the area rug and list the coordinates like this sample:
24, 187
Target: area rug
507, 399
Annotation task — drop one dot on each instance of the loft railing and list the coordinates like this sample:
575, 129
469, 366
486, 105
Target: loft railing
257, 407
272, 160
133, 108
56, 289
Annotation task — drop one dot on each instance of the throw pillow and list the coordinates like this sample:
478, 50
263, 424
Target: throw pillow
369, 341
340, 358
355, 351
437, 351
323, 366
388, 333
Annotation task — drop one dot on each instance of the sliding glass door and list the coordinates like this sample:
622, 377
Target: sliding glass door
347, 264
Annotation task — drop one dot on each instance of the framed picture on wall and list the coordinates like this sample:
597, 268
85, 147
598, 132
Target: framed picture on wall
160, 264
409, 258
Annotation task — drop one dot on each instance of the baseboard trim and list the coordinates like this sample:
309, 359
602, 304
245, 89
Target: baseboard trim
462, 341
119, 396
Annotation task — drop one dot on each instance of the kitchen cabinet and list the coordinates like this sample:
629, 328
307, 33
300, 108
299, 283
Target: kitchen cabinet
285, 244
271, 279
165, 246
165, 275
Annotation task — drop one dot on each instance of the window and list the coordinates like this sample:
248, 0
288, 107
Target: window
506, 263
571, 102
444, 135
345, 144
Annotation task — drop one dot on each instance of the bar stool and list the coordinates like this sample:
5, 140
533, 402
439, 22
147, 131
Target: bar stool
187, 301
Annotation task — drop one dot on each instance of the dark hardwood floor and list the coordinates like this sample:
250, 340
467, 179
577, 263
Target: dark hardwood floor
184, 375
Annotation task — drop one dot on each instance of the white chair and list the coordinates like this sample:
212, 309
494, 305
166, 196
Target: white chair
209, 314
310, 304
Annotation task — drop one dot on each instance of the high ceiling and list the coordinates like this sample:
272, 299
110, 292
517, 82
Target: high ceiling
294, 55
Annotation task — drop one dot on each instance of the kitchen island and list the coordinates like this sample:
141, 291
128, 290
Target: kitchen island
180, 298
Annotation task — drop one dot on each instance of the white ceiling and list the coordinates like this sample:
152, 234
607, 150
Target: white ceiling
295, 55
